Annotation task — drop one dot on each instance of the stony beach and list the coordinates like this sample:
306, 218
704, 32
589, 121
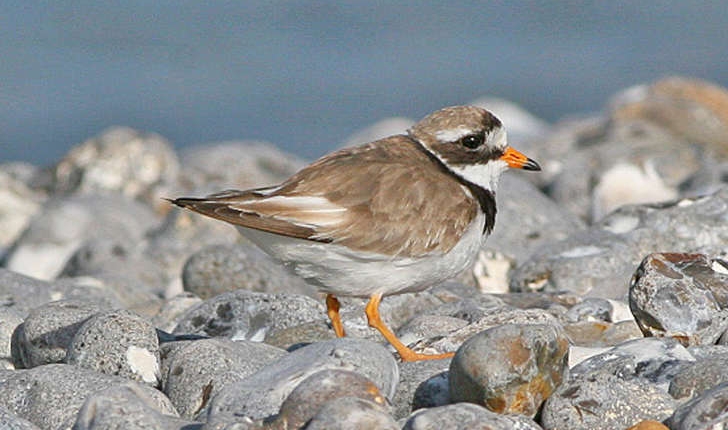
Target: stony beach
600, 301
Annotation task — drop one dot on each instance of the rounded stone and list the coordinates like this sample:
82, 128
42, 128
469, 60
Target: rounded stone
422, 384
199, 370
510, 368
351, 413
120, 343
709, 410
466, 416
48, 330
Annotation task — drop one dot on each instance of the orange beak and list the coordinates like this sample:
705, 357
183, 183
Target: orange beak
517, 160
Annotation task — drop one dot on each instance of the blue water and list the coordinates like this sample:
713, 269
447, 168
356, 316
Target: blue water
304, 75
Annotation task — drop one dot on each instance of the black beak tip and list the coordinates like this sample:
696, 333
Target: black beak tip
532, 165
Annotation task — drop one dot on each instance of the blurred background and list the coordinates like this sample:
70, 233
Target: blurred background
305, 75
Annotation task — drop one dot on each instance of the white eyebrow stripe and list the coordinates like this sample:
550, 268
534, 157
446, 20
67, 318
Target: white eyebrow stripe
452, 134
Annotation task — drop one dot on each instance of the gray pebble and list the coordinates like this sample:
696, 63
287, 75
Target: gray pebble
9, 321
466, 416
244, 314
693, 379
680, 296
322, 387
601, 401
510, 368
172, 310
422, 384
129, 408
10, 421
51, 395
351, 413
199, 370
221, 268
261, 394
118, 343
709, 410
48, 330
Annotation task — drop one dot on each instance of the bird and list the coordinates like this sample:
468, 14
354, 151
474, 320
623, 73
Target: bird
396, 215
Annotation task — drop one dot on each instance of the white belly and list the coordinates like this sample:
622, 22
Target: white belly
340, 271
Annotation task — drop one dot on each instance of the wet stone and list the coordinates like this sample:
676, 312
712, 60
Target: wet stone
46, 333
320, 388
466, 416
198, 370
119, 343
602, 401
510, 368
681, 296
709, 410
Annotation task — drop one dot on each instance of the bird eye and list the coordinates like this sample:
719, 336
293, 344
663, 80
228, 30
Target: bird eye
472, 141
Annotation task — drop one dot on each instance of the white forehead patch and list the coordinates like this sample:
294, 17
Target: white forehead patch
499, 138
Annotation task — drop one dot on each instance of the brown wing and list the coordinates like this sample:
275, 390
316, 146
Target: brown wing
387, 197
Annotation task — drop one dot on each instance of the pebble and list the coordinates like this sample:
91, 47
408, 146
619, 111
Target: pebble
9, 321
129, 408
198, 370
704, 373
510, 369
681, 296
20, 204
47, 332
422, 384
708, 410
305, 401
466, 416
50, 396
120, 343
261, 394
221, 268
351, 413
248, 315
10, 421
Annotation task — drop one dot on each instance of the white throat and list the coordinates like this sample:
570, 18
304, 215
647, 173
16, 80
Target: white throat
485, 175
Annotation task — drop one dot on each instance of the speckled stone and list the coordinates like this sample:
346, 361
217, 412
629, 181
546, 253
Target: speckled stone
10, 421
198, 370
129, 408
48, 330
322, 387
351, 413
261, 394
601, 401
247, 315
9, 321
466, 416
422, 384
510, 368
51, 395
682, 296
704, 373
120, 343
708, 410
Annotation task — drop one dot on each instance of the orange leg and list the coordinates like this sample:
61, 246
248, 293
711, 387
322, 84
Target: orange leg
406, 354
332, 310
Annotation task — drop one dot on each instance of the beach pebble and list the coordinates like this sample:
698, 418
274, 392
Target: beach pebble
704, 373
422, 384
466, 416
510, 369
248, 315
127, 407
46, 333
221, 268
20, 203
199, 370
10, 421
708, 410
120, 343
351, 413
261, 394
9, 321
322, 387
601, 401
681, 296
51, 395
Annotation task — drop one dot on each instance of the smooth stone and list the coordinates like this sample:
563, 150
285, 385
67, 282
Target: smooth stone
23, 294
351, 413
466, 416
64, 223
601, 401
260, 395
599, 334
292, 338
221, 268
680, 296
322, 387
247, 315
46, 333
699, 376
649, 425
9, 321
10, 421
20, 204
600, 261
119, 160
590, 309
129, 408
422, 384
173, 309
120, 343
198, 370
51, 395
654, 361
708, 410
510, 369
